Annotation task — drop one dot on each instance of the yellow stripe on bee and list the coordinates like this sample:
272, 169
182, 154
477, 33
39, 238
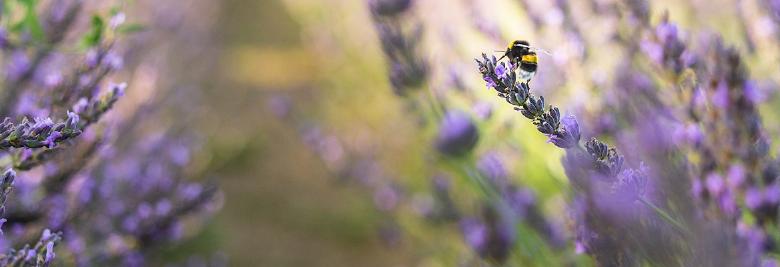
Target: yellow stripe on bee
530, 58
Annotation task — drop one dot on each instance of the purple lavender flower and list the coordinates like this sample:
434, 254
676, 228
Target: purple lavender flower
19, 65
49, 252
406, 69
772, 193
631, 184
715, 184
386, 198
501, 71
483, 110
753, 198
457, 134
728, 203
389, 7
687, 134
30, 256
475, 233
492, 236
721, 96
43, 81
569, 135
279, 106
489, 82
736, 175
492, 168
51, 140
6, 185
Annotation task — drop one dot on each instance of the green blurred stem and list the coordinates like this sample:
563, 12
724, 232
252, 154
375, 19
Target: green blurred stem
436, 107
468, 172
665, 215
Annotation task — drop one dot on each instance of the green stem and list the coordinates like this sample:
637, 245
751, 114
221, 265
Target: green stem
665, 216
436, 107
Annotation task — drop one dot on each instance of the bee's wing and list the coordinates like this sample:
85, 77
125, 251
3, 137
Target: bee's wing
543, 51
535, 49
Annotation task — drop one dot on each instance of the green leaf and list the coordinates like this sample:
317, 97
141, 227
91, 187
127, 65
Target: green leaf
130, 28
95, 34
114, 10
6, 5
30, 22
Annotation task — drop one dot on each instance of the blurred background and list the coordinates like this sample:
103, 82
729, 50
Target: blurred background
282, 207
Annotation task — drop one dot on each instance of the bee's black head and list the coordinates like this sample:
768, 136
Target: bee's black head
516, 49
521, 46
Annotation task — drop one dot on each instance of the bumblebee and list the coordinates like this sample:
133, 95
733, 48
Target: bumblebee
520, 52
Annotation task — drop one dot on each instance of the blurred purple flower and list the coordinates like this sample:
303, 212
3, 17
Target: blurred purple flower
483, 110
736, 175
475, 233
492, 168
389, 7
457, 134
715, 184
753, 198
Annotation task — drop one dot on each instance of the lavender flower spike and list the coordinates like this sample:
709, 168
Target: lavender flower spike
389, 8
564, 133
41, 132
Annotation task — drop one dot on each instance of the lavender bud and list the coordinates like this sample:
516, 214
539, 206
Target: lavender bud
407, 76
51, 141
6, 185
597, 149
534, 108
501, 70
81, 105
489, 82
118, 89
73, 120
30, 255
389, 8
46, 235
49, 251
569, 136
